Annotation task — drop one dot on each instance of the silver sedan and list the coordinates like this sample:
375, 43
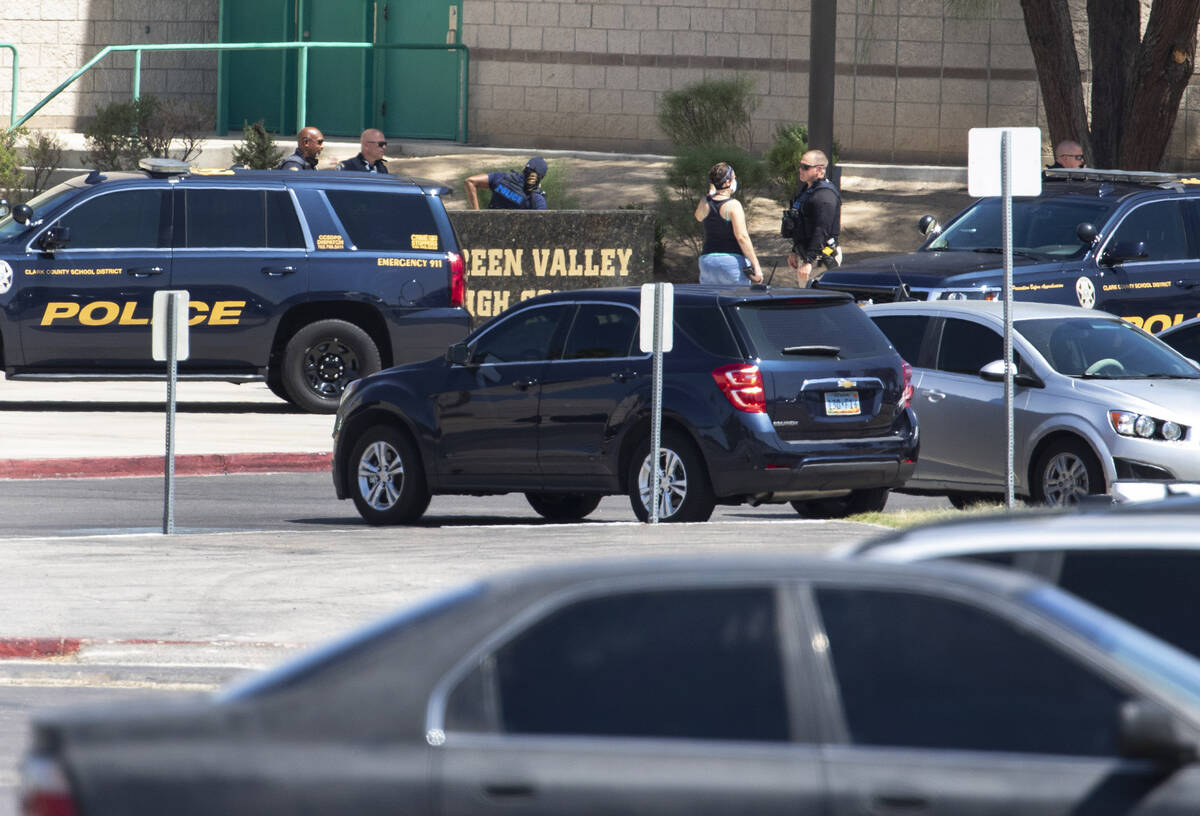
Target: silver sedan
1096, 399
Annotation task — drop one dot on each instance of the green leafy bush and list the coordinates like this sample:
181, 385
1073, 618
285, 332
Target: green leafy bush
43, 153
709, 112
258, 150
12, 177
124, 132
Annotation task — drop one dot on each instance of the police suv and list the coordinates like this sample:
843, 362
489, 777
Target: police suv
1120, 241
304, 280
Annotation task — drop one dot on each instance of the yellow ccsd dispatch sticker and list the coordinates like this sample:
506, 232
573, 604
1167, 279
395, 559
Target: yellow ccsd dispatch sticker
330, 242
424, 241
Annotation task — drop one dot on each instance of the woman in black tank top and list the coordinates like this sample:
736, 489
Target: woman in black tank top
728, 256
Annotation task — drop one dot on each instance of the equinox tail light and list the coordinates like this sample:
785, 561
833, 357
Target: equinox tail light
44, 789
458, 280
743, 387
907, 395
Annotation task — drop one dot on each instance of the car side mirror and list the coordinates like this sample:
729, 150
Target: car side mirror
1147, 730
928, 225
5, 209
994, 372
1086, 232
55, 238
458, 354
22, 213
1125, 251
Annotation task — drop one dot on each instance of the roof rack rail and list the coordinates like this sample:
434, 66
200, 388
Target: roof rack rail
1094, 174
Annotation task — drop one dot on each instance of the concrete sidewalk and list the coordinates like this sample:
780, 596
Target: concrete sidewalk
101, 428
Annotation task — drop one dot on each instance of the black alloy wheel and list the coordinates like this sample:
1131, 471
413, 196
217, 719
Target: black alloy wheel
321, 359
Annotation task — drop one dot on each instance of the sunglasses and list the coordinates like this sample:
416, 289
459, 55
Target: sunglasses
317, 141
1075, 156
804, 166
381, 144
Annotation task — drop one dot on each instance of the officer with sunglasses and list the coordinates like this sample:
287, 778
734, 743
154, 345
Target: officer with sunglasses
309, 142
372, 145
1068, 153
814, 220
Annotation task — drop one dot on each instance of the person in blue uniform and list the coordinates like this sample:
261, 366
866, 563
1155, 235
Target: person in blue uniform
728, 257
818, 222
511, 191
372, 145
309, 142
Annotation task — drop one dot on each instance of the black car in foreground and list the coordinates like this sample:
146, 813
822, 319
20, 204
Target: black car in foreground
768, 396
1120, 241
771, 685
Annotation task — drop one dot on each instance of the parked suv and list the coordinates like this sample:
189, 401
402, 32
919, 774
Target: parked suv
1120, 241
305, 280
768, 396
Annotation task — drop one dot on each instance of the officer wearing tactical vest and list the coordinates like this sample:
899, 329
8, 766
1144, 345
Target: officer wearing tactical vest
511, 191
813, 221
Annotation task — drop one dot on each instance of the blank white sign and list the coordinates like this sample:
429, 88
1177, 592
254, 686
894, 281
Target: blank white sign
165, 299
646, 335
983, 161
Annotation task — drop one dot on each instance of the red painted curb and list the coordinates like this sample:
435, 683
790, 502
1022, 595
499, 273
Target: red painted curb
17, 648
200, 464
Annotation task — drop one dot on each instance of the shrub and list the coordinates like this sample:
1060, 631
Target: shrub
710, 112
124, 132
43, 152
258, 150
12, 177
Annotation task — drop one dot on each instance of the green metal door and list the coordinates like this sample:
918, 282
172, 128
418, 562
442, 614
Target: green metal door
339, 79
417, 94
258, 84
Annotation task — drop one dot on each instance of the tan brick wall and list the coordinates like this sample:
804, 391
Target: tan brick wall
56, 38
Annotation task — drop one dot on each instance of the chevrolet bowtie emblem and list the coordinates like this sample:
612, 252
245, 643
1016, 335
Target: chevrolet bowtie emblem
845, 383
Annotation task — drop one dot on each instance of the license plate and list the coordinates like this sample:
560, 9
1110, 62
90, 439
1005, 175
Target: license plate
842, 403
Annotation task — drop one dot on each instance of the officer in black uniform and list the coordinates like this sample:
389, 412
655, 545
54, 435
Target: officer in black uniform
814, 220
371, 145
309, 142
511, 191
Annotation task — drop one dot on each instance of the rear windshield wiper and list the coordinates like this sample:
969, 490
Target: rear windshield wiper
814, 350
998, 250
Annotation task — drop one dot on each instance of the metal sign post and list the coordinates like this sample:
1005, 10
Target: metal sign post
1020, 173
657, 336
169, 342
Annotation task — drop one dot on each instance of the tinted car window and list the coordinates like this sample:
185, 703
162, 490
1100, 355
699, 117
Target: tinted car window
372, 220
531, 334
1155, 590
240, 219
127, 219
774, 326
601, 330
700, 664
967, 347
1160, 225
905, 332
707, 327
1185, 341
926, 672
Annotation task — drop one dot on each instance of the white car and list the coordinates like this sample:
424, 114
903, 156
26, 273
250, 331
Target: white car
1096, 399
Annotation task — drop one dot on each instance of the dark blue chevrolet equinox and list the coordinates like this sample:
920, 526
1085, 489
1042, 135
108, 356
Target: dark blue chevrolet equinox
768, 396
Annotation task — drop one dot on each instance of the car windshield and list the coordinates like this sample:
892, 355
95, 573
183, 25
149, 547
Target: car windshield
10, 228
1103, 348
1041, 227
1173, 672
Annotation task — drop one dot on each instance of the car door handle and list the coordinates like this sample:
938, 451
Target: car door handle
893, 801
623, 376
935, 396
508, 790
144, 271
528, 382
1187, 284
278, 271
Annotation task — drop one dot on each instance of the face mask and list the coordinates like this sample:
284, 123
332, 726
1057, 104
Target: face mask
733, 187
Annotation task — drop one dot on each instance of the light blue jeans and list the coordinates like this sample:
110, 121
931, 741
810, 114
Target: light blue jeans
724, 269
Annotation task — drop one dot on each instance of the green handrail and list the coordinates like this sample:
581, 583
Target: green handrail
302, 69
16, 69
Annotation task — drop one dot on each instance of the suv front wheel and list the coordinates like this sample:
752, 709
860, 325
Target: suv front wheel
321, 359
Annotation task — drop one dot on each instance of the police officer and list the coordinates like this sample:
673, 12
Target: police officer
370, 154
511, 191
816, 220
309, 142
